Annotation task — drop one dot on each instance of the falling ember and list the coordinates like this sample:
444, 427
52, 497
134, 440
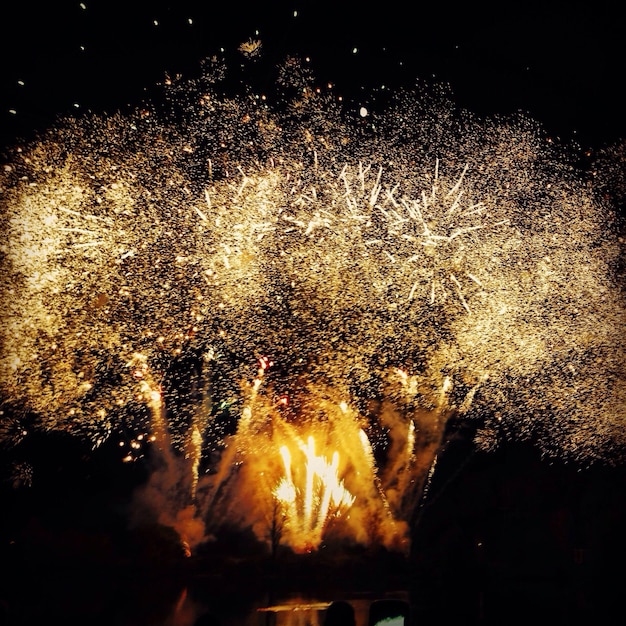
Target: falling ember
401, 269
308, 506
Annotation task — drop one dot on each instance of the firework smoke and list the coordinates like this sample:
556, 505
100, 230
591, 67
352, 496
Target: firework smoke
397, 271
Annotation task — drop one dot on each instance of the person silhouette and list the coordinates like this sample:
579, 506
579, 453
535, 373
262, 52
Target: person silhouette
340, 613
390, 611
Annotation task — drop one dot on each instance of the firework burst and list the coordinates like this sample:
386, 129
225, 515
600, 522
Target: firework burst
395, 275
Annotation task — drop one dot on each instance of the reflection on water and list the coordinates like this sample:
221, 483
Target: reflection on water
117, 599
244, 593
271, 609
298, 612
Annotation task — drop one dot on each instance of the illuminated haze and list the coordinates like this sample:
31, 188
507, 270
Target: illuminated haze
229, 276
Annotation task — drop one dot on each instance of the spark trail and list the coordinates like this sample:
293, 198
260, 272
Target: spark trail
424, 266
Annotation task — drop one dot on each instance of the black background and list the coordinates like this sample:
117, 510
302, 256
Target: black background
560, 62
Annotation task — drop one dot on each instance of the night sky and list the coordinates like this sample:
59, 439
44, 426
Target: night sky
560, 62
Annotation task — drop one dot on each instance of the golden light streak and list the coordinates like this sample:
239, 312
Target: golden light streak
256, 271
309, 503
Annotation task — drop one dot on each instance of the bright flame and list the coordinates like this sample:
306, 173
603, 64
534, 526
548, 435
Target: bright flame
310, 500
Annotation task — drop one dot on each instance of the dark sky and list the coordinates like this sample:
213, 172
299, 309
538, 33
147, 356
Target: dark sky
561, 62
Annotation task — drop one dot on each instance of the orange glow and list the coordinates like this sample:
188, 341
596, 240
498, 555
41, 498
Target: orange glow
313, 496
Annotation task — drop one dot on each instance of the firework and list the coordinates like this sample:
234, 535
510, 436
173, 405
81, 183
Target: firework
379, 279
